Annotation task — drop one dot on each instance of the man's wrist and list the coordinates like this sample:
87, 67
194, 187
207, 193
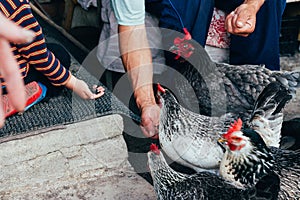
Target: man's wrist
144, 96
256, 3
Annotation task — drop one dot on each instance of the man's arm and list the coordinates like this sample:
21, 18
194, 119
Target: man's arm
137, 60
242, 20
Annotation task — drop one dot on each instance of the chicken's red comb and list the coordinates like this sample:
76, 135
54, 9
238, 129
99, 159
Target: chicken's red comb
236, 126
154, 148
160, 88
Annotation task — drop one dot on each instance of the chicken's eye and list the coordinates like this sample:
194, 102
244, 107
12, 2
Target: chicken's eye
236, 139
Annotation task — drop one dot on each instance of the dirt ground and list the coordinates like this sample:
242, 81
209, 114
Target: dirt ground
292, 63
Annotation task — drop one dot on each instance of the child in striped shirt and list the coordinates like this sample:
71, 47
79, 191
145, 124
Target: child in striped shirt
36, 60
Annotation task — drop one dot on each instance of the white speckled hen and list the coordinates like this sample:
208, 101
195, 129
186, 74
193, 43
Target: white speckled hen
248, 160
172, 185
220, 88
190, 139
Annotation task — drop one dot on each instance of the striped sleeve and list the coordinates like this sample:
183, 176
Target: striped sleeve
36, 52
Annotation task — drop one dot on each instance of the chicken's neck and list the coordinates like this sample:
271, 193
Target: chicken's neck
167, 178
163, 175
169, 116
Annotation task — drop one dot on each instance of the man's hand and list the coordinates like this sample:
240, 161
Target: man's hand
9, 67
150, 120
137, 60
242, 20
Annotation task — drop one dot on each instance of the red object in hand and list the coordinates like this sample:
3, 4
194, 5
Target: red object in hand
182, 46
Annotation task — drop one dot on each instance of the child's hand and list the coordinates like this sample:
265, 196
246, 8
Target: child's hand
82, 89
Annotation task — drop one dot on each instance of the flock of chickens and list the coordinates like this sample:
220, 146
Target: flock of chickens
236, 154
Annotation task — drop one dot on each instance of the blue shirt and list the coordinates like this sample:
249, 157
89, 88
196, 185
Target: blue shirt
129, 12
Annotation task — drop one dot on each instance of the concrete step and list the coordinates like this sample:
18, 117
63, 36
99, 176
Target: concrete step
85, 160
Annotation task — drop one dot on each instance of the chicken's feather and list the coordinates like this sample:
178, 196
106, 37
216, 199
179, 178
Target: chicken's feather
238, 85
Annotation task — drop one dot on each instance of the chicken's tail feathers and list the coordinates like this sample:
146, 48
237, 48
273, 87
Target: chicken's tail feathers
266, 117
273, 98
290, 79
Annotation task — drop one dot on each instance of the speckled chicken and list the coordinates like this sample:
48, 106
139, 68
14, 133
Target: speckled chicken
248, 160
249, 170
218, 88
170, 184
190, 138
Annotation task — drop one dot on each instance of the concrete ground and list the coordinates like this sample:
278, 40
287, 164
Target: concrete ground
85, 160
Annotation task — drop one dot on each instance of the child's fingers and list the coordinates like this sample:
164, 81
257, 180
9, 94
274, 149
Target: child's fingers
100, 89
98, 92
95, 96
96, 89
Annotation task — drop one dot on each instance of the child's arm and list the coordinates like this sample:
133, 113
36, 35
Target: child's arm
37, 55
82, 89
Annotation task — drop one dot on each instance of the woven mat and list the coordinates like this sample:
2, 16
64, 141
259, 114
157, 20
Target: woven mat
65, 109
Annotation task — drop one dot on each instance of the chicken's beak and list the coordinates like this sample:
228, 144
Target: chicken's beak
222, 140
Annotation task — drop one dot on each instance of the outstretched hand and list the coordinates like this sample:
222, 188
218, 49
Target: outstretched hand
9, 67
82, 89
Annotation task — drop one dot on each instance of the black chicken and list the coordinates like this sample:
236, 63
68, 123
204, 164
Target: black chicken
218, 88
